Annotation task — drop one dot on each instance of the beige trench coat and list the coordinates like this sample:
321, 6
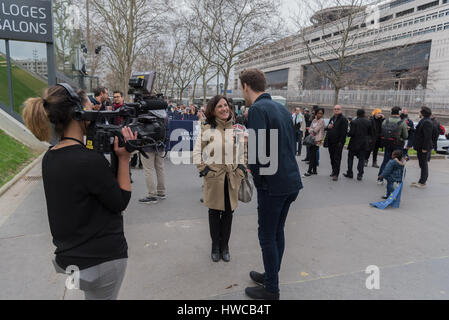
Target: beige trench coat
204, 155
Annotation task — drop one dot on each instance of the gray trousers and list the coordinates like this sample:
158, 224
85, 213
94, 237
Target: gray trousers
153, 169
103, 281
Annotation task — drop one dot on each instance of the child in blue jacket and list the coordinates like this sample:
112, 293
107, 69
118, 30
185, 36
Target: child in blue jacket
394, 172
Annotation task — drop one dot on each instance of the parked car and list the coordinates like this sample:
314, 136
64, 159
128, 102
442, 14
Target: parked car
443, 145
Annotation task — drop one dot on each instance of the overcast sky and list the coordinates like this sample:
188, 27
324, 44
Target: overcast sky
24, 50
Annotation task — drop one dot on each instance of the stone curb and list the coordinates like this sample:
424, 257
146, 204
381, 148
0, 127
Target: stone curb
20, 175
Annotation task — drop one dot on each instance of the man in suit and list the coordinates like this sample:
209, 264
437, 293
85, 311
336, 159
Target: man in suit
337, 130
423, 144
360, 133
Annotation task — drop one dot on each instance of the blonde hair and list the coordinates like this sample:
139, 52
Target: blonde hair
54, 107
36, 118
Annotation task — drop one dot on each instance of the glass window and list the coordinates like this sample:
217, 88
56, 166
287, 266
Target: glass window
29, 72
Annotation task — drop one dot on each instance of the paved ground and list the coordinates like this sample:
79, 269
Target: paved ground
332, 233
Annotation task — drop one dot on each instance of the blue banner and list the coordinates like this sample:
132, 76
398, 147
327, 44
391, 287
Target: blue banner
186, 131
394, 200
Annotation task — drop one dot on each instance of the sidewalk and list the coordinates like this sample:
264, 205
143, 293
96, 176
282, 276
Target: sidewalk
332, 234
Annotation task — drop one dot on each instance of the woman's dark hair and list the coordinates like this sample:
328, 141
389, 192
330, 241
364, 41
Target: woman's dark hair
317, 110
397, 154
54, 107
426, 112
210, 109
395, 111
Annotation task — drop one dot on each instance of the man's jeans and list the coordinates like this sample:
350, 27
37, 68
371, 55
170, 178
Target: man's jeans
272, 211
387, 157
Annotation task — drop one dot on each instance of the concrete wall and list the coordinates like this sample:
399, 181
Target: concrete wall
18, 131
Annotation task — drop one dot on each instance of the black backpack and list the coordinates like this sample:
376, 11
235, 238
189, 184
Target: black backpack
391, 134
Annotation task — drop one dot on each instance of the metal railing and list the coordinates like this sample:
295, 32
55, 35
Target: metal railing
12, 113
410, 99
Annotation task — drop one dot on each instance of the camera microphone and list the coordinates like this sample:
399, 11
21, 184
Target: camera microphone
149, 105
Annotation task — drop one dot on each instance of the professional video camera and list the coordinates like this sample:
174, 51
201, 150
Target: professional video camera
147, 116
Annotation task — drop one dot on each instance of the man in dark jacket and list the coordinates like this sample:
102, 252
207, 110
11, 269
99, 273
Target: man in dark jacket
275, 191
411, 132
337, 131
376, 137
423, 144
360, 134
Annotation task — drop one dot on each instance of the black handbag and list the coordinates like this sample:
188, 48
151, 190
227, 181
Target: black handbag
309, 141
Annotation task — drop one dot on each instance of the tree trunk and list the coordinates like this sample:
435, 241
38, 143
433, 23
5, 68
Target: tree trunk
181, 93
204, 90
226, 84
337, 92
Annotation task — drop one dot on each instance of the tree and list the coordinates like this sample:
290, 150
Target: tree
236, 27
128, 27
201, 27
334, 31
185, 67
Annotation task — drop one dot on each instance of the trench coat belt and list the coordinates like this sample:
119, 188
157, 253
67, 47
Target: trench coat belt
229, 172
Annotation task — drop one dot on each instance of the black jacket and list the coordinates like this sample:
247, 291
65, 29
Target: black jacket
339, 132
376, 125
423, 135
265, 114
360, 133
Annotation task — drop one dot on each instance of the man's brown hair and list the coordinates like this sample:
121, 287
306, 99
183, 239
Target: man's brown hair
255, 79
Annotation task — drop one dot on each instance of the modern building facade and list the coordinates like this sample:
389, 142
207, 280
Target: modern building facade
400, 45
37, 66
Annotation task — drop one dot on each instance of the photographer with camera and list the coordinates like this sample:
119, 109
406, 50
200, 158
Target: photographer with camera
85, 200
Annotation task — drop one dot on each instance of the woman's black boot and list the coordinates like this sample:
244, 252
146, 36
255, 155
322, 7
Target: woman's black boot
225, 254
215, 255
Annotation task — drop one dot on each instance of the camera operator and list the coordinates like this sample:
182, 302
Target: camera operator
85, 200
153, 167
